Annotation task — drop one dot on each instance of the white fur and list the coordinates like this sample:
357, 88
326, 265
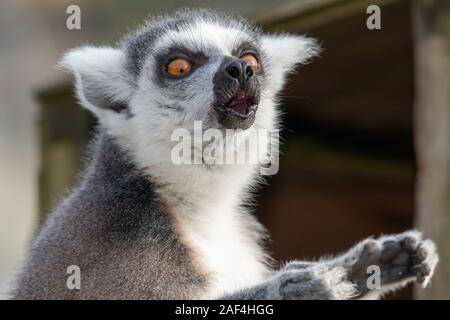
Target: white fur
102, 68
214, 227
336, 280
206, 37
284, 52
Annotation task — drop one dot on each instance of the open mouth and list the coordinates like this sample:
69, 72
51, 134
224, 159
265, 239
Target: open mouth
241, 104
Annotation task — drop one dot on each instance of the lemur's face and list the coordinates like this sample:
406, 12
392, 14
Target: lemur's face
209, 70
193, 65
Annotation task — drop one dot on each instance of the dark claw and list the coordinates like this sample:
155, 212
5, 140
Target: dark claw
420, 278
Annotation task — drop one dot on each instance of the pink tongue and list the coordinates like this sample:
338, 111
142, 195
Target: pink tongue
240, 104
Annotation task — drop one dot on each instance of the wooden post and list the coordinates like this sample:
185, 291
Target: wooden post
432, 133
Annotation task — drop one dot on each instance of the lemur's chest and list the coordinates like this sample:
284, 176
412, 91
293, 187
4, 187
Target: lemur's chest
224, 247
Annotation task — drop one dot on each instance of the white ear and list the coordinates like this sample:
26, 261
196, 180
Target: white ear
101, 81
283, 53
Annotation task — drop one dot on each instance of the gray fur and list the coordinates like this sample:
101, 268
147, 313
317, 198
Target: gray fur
317, 282
116, 230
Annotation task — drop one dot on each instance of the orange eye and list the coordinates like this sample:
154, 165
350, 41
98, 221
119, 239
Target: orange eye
179, 67
251, 61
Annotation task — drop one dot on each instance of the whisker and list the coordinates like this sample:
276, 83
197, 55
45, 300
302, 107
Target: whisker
297, 97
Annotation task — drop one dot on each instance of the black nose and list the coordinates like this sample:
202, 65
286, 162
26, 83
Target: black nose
239, 70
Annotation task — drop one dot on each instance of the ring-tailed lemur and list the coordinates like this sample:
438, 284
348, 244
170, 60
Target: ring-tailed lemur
141, 227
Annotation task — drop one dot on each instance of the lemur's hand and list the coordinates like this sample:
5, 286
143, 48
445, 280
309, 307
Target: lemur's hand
402, 258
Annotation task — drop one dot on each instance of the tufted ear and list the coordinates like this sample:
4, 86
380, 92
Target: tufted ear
283, 53
102, 83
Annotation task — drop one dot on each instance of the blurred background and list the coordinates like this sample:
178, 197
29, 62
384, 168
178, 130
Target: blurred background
366, 131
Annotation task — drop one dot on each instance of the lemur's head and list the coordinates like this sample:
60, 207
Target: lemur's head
191, 65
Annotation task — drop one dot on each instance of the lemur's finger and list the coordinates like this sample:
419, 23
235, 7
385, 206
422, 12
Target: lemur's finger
423, 269
390, 250
430, 261
420, 272
421, 253
370, 253
410, 240
420, 278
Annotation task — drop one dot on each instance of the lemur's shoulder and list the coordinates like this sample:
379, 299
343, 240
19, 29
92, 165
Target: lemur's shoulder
116, 229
